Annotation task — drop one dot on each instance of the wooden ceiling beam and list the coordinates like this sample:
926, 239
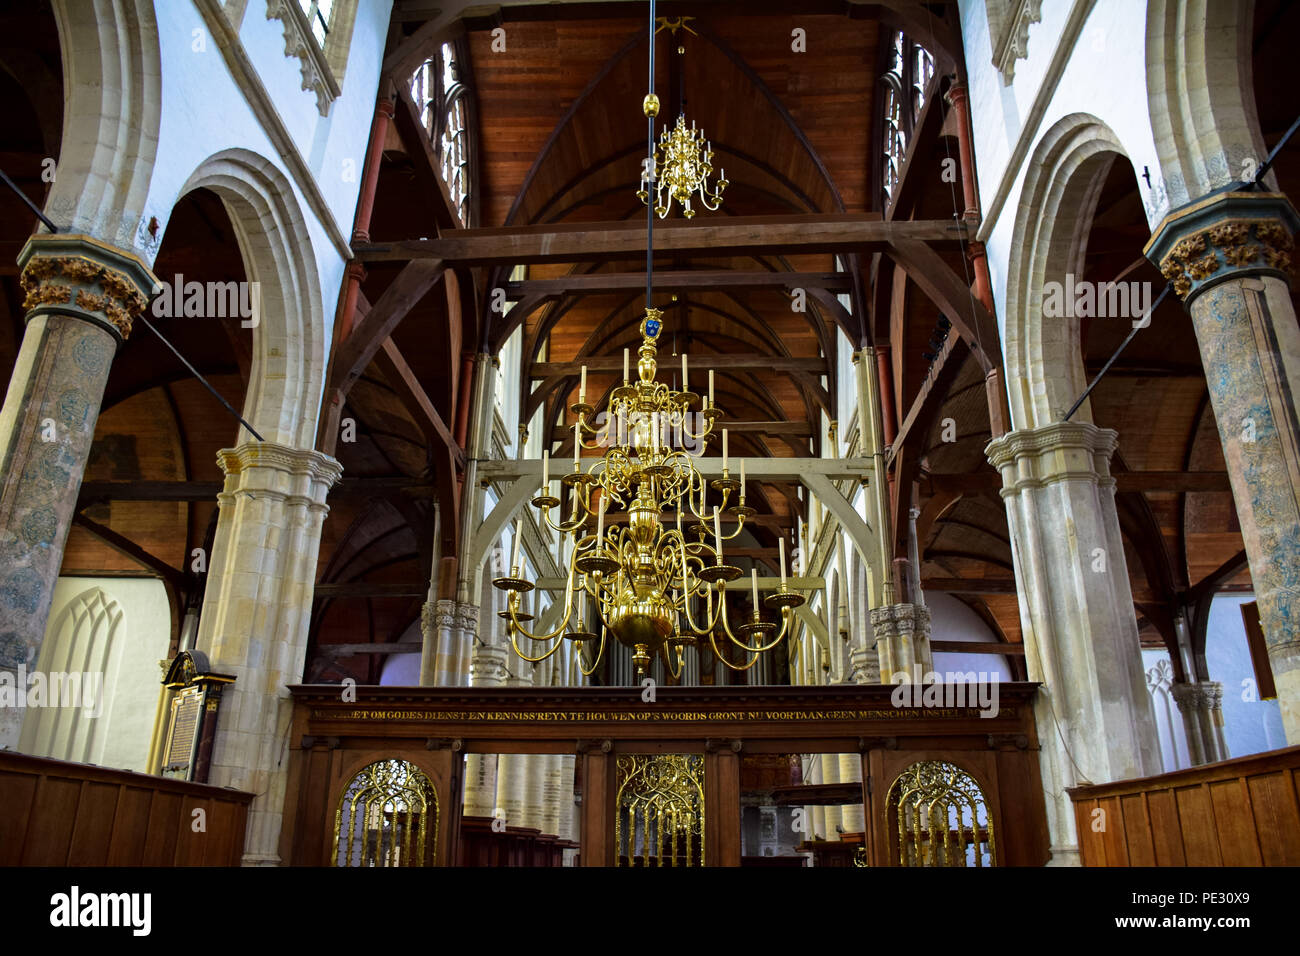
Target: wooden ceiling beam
741, 236
600, 283
700, 363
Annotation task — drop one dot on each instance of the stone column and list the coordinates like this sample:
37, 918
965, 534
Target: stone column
818, 815
1229, 257
483, 771
255, 618
902, 633
834, 814
81, 298
1201, 705
853, 817
1094, 715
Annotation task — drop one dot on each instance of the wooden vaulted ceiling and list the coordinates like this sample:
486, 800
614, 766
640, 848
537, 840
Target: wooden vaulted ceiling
563, 138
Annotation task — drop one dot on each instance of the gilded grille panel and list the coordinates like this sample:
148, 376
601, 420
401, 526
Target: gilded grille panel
388, 816
941, 817
659, 816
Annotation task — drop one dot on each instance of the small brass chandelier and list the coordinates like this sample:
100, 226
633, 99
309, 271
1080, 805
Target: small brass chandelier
682, 166
645, 581
679, 169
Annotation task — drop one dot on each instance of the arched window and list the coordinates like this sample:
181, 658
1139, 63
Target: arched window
388, 816
441, 91
904, 88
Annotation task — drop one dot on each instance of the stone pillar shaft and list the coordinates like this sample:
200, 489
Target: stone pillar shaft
1229, 257
256, 612
1094, 715
81, 297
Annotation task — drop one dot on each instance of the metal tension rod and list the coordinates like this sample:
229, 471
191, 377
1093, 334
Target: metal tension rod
1122, 346
149, 325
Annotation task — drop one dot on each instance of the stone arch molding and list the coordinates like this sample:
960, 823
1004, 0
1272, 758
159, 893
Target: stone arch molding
1201, 97
1044, 362
288, 369
113, 107
80, 642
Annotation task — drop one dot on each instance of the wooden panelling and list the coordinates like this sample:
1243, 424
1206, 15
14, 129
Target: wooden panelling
66, 814
1242, 812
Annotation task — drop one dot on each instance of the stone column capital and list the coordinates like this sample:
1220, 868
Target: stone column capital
902, 619
1033, 457
1229, 235
81, 276
278, 470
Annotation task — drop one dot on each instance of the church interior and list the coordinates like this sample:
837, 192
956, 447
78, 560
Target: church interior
682, 433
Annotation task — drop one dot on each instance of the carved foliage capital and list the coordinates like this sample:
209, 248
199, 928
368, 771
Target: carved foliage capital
76, 275
1223, 236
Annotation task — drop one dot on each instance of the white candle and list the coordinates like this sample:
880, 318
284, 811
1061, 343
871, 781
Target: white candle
546, 471
781, 542
717, 533
582, 387
627, 358
710, 387
600, 523
724, 449
753, 583
577, 447
519, 540
742, 479
685, 388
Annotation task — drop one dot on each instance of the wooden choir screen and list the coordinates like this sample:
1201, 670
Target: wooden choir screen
661, 782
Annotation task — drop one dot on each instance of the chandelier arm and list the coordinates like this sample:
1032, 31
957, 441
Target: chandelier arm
515, 628
785, 620
600, 653
515, 625
667, 659
735, 667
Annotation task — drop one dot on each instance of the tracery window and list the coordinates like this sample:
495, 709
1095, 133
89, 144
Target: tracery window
318, 14
904, 88
440, 90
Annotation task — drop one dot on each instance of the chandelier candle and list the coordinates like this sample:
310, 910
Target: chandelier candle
582, 387
685, 387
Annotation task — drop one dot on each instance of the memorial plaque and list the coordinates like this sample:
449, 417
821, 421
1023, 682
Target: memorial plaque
195, 704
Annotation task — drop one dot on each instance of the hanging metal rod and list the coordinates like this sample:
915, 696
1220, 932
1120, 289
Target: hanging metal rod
30, 205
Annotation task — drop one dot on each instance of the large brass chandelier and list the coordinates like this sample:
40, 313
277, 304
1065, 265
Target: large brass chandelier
647, 582
657, 582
